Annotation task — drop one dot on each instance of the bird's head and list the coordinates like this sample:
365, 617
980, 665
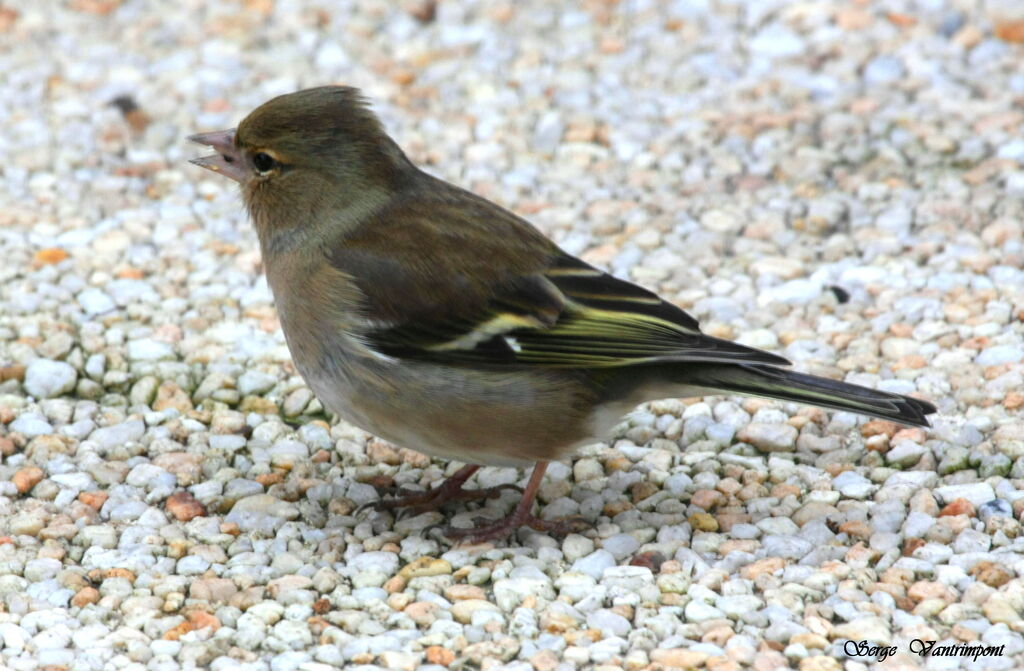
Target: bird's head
307, 156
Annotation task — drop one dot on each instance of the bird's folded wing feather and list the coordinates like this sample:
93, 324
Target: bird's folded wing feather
474, 284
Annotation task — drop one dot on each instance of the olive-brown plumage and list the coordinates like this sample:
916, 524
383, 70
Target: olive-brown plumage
440, 321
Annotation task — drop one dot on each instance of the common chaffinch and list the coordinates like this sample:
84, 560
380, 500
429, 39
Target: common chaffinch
439, 321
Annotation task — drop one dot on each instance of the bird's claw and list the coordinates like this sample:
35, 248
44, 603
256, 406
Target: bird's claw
485, 529
415, 502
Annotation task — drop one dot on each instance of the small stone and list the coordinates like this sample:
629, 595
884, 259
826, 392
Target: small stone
765, 566
31, 425
143, 391
463, 611
957, 507
698, 611
736, 605
184, 507
26, 523
94, 500
548, 132
853, 485
679, 658
970, 541
769, 437
818, 663
990, 573
783, 268
261, 513
462, 592
707, 498
703, 522
192, 565
544, 660
905, 453
977, 493
792, 547
874, 629
856, 529
1000, 609
995, 508
399, 661
25, 479
810, 640
85, 597
883, 69
879, 427
621, 545
652, 560
49, 256
296, 402
576, 546
381, 452
794, 292
287, 453
440, 655
722, 221
95, 301
202, 620
147, 349
594, 564
955, 459
170, 395
46, 379
213, 590
999, 354
378, 560
224, 425
425, 566
609, 623
255, 382
773, 41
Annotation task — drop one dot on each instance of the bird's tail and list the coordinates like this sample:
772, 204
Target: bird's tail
772, 382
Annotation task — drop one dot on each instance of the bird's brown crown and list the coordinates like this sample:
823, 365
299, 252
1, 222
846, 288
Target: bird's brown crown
315, 126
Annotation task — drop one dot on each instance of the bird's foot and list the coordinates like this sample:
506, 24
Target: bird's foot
485, 529
414, 502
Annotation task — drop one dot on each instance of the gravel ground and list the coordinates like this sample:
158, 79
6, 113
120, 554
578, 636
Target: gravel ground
834, 181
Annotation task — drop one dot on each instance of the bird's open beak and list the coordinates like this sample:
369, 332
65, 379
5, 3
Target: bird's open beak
228, 159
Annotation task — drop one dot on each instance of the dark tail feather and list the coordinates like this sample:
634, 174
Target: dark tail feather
771, 382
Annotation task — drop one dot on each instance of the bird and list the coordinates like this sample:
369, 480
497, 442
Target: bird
439, 321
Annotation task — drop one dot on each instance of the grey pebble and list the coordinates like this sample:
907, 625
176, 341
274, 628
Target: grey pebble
978, 493
147, 349
1000, 354
254, 382
46, 379
595, 563
261, 513
853, 485
31, 425
116, 435
699, 611
609, 622
621, 546
995, 508
769, 437
95, 301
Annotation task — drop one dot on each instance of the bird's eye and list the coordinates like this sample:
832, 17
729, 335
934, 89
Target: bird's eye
263, 162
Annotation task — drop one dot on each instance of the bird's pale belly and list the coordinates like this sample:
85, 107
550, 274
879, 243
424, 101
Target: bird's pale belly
480, 417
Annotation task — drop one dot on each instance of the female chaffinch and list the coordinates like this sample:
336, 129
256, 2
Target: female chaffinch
442, 322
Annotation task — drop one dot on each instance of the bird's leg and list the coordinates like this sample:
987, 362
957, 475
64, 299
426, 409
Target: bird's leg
488, 530
450, 490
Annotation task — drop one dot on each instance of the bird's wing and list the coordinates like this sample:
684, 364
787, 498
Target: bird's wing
464, 281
